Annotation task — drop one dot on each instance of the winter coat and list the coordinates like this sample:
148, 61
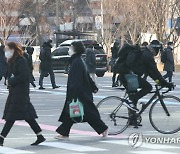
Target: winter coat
148, 66
3, 63
169, 64
91, 60
45, 57
18, 106
80, 86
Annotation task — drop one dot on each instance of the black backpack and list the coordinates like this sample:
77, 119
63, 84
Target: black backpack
163, 56
128, 59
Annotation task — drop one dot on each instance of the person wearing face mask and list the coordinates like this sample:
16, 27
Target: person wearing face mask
80, 86
46, 65
18, 105
169, 62
147, 65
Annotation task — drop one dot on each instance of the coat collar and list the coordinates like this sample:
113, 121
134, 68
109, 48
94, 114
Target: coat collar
73, 57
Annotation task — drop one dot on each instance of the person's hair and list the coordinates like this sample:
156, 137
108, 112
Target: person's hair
170, 43
144, 44
78, 47
18, 51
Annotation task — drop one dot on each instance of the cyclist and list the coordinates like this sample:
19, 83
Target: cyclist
147, 65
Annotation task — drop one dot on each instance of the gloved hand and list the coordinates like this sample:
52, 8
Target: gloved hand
169, 85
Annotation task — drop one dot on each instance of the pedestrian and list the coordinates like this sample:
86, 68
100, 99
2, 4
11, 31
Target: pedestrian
169, 61
28, 51
80, 86
3, 63
46, 65
91, 62
18, 106
114, 51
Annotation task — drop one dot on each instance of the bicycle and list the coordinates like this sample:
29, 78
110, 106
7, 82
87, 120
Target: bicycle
114, 111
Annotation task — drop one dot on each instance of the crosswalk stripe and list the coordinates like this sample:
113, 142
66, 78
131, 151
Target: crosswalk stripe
72, 147
5, 150
144, 145
150, 152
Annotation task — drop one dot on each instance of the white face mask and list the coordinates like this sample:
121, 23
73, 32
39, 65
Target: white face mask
9, 54
71, 51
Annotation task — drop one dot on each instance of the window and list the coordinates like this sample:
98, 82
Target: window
61, 51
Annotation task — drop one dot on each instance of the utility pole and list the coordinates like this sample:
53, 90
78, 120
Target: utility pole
102, 19
57, 12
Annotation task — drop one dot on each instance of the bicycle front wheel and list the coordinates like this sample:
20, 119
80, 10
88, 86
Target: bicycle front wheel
164, 117
114, 113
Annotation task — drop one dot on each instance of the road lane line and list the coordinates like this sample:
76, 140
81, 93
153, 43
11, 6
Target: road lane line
144, 145
5, 150
150, 152
72, 147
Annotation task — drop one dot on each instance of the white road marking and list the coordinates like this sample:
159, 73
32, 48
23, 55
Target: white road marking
150, 152
72, 147
5, 150
144, 145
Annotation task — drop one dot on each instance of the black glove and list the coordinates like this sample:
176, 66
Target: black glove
169, 85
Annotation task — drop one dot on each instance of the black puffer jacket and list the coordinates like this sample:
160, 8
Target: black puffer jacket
45, 57
18, 106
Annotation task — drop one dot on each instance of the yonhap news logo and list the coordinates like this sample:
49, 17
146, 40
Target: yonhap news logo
136, 140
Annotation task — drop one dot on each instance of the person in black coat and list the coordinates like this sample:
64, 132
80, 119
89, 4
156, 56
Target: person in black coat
46, 65
169, 63
3, 64
91, 62
80, 86
28, 51
18, 105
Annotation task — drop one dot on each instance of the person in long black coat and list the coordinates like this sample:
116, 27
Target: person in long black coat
80, 86
3, 64
18, 105
46, 65
169, 63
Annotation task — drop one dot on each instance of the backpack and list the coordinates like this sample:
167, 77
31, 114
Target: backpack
128, 59
163, 56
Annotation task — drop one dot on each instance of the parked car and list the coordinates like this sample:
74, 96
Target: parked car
60, 57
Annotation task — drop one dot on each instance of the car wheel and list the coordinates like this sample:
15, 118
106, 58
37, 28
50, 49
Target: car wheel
100, 74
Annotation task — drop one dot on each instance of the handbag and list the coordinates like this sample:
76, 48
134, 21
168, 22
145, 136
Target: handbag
76, 110
132, 82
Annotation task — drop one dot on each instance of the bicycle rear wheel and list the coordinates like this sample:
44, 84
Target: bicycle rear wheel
160, 120
114, 113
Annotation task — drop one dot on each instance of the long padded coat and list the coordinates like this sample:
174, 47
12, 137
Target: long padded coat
18, 106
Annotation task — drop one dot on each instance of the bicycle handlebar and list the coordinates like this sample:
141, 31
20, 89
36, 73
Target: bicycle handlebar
161, 87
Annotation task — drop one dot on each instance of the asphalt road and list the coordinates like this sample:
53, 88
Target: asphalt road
83, 139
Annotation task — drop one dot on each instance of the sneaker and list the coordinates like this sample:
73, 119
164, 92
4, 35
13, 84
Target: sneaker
61, 137
56, 87
105, 133
1, 140
41, 88
131, 106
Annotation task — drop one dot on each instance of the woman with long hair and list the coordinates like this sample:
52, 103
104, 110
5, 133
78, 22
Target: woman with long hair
18, 105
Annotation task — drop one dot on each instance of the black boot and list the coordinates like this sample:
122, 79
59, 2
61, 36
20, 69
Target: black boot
39, 140
1, 141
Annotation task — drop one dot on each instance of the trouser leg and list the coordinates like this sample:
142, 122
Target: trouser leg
114, 78
64, 128
41, 79
170, 75
7, 127
34, 125
52, 77
166, 75
146, 88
